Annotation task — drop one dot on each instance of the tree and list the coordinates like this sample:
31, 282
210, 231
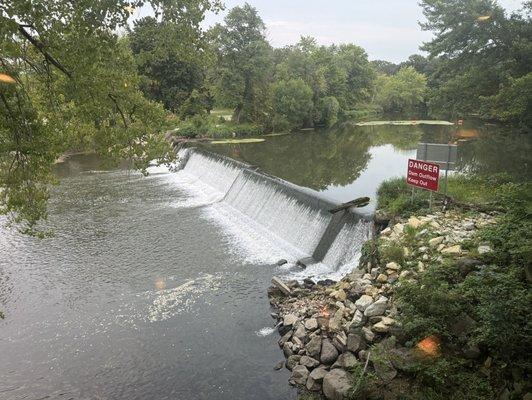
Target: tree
171, 61
479, 49
402, 93
73, 85
292, 103
243, 62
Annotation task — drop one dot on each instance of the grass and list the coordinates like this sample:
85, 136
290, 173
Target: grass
395, 196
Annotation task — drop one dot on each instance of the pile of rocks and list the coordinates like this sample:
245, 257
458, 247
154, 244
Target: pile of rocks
327, 327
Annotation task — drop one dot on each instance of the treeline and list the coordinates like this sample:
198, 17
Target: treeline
478, 64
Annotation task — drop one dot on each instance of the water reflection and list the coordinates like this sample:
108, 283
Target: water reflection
341, 158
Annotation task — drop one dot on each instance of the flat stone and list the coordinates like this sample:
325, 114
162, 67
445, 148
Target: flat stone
278, 283
386, 231
398, 229
335, 323
484, 249
300, 332
393, 266
363, 302
456, 249
299, 375
311, 324
368, 334
346, 361
358, 319
338, 295
337, 384
329, 354
289, 319
382, 278
434, 242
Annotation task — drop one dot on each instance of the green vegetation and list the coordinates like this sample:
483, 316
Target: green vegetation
480, 311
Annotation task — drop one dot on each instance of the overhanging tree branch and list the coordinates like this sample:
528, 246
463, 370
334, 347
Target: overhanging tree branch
40, 46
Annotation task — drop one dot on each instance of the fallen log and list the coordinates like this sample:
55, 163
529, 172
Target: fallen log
360, 202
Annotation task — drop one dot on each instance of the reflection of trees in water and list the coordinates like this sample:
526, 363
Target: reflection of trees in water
497, 150
315, 160
338, 156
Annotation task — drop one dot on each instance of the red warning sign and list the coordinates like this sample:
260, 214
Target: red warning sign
423, 175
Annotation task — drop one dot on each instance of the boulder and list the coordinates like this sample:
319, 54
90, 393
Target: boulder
337, 384
299, 375
335, 323
364, 302
484, 249
346, 361
311, 324
282, 261
358, 319
414, 222
288, 349
467, 265
354, 342
368, 334
338, 295
309, 362
314, 347
328, 354
377, 308
292, 361
315, 378
289, 319
301, 333
382, 278
393, 265
380, 327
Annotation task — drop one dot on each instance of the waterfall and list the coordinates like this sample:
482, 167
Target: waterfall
265, 209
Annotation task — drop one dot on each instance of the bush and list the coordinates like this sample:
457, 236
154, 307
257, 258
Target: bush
209, 126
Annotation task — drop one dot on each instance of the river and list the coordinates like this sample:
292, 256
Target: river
151, 288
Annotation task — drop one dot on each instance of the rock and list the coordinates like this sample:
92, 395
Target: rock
392, 278
386, 231
414, 222
289, 319
339, 295
398, 229
384, 370
315, 378
467, 265
285, 338
345, 360
335, 323
471, 351
329, 354
326, 282
337, 384
380, 327
299, 375
456, 249
435, 242
311, 324
288, 349
463, 325
363, 302
484, 249
405, 274
282, 261
377, 308
278, 283
283, 329
469, 226
314, 347
309, 362
278, 366
423, 249
292, 361
393, 266
402, 358
301, 333
368, 334
382, 278
354, 342
358, 319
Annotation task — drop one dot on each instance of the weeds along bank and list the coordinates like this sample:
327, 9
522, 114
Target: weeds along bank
438, 309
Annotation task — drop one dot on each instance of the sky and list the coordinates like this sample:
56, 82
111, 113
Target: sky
386, 29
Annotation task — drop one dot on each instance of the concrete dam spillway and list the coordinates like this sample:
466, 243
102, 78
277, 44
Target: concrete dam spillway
283, 212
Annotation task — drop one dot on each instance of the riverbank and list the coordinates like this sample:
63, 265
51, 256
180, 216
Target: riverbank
438, 308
